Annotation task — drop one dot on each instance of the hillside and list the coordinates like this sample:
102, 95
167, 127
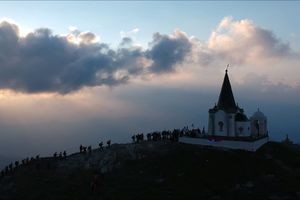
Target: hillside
160, 170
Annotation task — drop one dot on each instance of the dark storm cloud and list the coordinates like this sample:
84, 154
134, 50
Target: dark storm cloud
44, 62
167, 51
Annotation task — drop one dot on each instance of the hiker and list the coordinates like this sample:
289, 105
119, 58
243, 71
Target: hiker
55, 155
10, 167
108, 143
140, 137
90, 149
80, 148
84, 149
65, 154
148, 136
101, 146
17, 164
133, 138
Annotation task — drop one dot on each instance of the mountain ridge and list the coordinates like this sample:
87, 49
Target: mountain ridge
160, 170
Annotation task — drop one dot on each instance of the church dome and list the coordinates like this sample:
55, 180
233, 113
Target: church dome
258, 115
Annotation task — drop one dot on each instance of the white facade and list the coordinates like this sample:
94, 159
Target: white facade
242, 129
259, 124
220, 123
229, 126
230, 144
226, 118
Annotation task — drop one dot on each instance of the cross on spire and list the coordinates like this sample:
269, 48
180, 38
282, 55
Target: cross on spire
227, 68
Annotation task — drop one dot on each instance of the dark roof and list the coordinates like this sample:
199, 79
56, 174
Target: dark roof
226, 100
241, 117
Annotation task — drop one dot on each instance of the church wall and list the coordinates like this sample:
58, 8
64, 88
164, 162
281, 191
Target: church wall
245, 128
248, 146
253, 128
211, 124
262, 127
231, 124
220, 123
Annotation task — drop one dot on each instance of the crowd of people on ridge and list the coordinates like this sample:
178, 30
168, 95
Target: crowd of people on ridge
168, 135
136, 138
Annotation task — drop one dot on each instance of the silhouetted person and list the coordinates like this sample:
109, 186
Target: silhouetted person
37, 157
80, 148
10, 167
101, 145
84, 149
65, 154
133, 138
55, 155
108, 143
17, 164
148, 136
139, 137
89, 149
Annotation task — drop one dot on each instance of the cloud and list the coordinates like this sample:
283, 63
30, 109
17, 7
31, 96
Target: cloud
243, 42
42, 62
168, 50
87, 37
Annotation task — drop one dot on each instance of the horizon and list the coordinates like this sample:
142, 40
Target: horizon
87, 74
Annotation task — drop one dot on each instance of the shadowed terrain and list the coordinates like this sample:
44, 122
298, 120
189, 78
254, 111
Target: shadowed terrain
160, 170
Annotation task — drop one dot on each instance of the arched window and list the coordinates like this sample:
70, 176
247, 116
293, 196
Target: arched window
221, 124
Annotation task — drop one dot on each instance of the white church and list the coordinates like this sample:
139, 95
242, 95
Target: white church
229, 126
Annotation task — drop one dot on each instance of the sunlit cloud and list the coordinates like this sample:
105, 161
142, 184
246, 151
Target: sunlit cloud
242, 41
44, 62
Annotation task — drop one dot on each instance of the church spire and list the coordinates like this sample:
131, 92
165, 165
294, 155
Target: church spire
226, 100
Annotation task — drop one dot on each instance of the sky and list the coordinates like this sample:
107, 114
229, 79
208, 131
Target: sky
74, 72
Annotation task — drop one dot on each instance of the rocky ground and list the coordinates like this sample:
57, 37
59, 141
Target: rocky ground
160, 170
